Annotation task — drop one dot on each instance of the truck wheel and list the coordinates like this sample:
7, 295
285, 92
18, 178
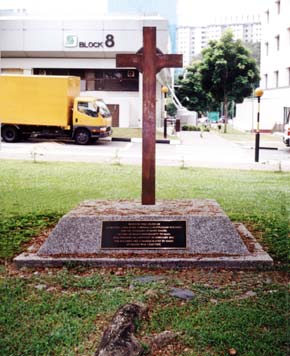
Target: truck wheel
82, 136
10, 134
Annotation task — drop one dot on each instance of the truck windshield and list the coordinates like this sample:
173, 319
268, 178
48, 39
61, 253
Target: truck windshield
87, 108
104, 111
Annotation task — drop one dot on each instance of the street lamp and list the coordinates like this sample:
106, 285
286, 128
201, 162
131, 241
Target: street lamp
258, 93
164, 89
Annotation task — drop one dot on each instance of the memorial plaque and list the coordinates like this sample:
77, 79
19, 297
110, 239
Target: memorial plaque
143, 234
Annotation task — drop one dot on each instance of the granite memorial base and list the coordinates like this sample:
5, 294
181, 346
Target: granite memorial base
170, 234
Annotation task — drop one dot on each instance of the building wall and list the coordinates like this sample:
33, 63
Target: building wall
271, 111
275, 70
275, 49
199, 40
192, 39
183, 40
43, 38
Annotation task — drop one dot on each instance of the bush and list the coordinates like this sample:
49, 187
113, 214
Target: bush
171, 109
190, 128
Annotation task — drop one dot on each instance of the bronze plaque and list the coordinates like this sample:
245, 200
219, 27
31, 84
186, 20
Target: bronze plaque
143, 234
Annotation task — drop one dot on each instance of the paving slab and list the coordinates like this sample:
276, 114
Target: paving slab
170, 234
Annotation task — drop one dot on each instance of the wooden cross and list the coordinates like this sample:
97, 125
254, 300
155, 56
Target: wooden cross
149, 60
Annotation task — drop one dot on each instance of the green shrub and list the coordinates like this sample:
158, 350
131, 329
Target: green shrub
171, 109
190, 128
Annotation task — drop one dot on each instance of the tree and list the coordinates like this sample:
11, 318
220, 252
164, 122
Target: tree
171, 109
228, 71
190, 92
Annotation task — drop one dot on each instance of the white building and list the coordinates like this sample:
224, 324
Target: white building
275, 72
86, 48
192, 39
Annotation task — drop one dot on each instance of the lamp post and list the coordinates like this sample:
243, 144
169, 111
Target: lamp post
258, 93
164, 90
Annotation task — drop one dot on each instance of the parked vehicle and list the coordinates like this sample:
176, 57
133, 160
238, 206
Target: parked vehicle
286, 134
51, 106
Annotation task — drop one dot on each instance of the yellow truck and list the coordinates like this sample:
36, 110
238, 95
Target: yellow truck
50, 106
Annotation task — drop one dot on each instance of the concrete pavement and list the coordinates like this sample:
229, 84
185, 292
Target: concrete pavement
192, 150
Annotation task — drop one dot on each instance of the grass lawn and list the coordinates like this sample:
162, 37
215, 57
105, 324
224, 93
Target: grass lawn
64, 311
136, 133
127, 132
248, 137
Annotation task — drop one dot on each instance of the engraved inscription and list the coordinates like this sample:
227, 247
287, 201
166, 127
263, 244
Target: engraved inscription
143, 234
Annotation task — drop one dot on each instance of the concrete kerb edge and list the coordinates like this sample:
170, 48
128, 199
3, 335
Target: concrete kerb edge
139, 140
244, 262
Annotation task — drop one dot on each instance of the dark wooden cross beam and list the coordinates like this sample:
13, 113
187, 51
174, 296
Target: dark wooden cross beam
149, 60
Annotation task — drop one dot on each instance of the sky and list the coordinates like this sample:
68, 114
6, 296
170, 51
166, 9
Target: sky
58, 7
195, 12
190, 12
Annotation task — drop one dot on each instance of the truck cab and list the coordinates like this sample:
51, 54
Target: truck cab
91, 119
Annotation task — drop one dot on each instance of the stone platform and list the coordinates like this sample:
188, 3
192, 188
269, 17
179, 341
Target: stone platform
170, 234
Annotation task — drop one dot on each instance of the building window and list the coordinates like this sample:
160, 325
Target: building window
278, 3
117, 79
267, 48
100, 79
277, 38
11, 71
59, 71
266, 80
276, 78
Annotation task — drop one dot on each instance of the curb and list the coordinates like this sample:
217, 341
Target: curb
267, 148
34, 261
139, 140
121, 139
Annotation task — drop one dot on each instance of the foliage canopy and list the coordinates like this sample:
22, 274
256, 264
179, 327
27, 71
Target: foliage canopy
191, 93
226, 72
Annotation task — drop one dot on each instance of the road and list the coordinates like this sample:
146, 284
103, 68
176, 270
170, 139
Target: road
211, 150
